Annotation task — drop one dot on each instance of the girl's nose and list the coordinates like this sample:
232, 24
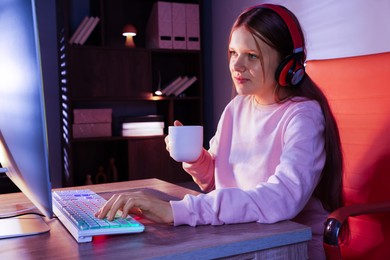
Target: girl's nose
238, 64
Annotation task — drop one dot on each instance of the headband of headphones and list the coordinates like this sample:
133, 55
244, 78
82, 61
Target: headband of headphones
291, 24
291, 70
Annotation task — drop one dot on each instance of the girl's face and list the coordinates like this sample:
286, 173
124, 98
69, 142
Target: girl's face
253, 70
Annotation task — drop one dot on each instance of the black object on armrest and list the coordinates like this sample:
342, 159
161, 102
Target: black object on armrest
331, 232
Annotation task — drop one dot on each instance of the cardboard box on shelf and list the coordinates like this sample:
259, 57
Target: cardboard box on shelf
92, 130
92, 115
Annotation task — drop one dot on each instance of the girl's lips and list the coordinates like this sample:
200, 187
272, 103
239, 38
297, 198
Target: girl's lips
240, 80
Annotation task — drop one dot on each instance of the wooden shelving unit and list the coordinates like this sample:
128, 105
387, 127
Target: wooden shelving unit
103, 73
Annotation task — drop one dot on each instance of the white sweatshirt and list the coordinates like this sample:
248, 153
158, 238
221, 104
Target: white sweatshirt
263, 165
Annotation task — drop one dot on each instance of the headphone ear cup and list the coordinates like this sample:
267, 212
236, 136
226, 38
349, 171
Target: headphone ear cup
295, 76
283, 70
289, 72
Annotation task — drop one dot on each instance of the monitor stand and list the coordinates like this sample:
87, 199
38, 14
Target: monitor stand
26, 225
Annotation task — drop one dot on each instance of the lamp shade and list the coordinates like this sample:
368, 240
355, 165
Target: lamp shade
129, 30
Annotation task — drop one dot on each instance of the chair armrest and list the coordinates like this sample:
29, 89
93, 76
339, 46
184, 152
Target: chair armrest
337, 218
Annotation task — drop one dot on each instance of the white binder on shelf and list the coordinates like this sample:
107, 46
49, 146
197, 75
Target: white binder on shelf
192, 27
159, 26
179, 26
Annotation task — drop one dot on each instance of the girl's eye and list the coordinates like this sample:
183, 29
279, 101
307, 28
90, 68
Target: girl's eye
232, 53
252, 56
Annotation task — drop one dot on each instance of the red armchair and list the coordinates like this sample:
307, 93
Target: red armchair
358, 89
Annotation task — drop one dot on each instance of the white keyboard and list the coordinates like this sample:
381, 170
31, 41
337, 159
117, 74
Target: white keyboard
76, 209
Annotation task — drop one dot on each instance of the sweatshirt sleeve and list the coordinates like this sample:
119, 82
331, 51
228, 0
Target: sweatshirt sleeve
202, 171
281, 197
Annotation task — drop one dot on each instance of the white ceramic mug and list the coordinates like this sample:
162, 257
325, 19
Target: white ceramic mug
185, 142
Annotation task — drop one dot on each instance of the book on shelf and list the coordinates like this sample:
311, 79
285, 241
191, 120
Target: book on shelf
143, 125
150, 125
176, 86
142, 132
84, 30
170, 85
78, 30
181, 88
89, 30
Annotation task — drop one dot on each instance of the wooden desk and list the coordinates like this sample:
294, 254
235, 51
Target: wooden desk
284, 240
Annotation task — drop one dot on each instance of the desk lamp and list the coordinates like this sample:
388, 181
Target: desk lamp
129, 31
158, 92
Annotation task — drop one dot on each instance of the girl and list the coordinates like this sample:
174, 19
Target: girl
276, 153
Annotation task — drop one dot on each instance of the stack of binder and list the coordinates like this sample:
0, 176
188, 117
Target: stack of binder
173, 26
151, 125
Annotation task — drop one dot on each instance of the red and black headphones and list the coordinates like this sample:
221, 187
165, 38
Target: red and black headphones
291, 70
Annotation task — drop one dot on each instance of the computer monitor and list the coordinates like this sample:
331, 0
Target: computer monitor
23, 134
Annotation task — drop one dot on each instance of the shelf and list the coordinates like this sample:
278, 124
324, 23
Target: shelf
115, 138
103, 73
122, 47
148, 97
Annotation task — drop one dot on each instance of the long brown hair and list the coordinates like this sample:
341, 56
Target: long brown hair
267, 25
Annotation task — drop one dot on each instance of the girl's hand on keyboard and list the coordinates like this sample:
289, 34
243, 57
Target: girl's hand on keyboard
140, 203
